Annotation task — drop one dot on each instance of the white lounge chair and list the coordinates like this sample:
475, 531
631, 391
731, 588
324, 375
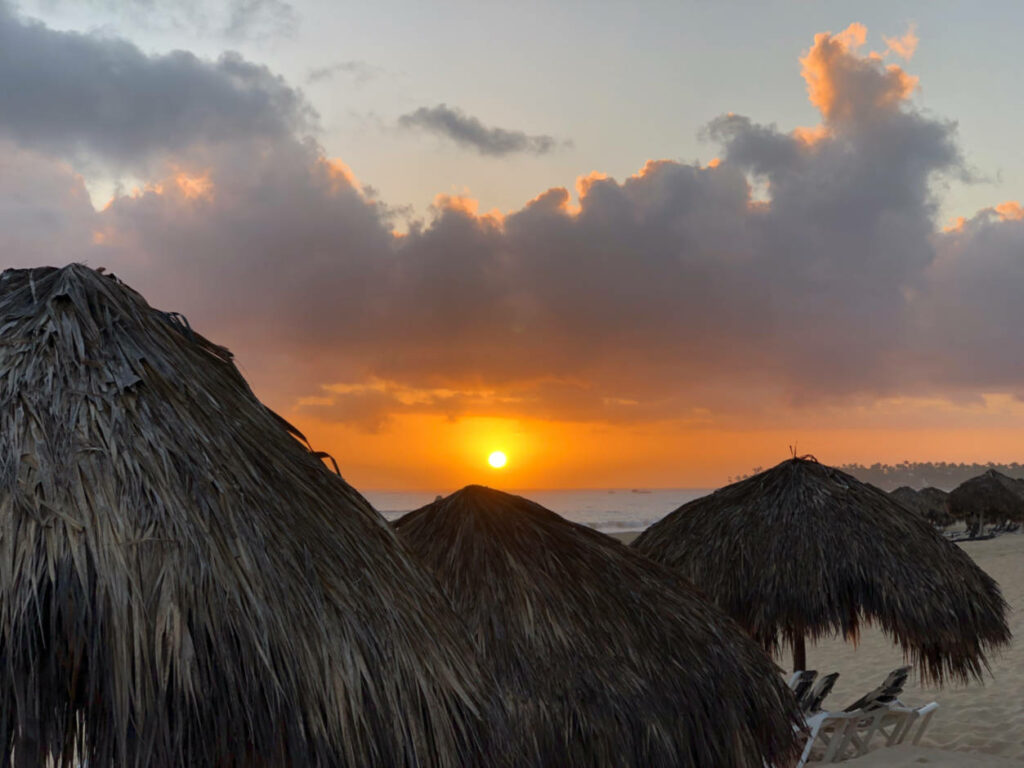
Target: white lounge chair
842, 735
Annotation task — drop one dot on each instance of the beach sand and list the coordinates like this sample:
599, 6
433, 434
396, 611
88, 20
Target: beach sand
975, 725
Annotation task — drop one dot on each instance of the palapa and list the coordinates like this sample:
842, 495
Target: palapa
990, 497
805, 550
931, 502
606, 659
182, 582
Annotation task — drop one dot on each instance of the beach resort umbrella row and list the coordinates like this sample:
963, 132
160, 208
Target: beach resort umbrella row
805, 551
182, 582
604, 657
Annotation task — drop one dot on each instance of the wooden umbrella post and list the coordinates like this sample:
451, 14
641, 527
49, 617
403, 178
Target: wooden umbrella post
799, 654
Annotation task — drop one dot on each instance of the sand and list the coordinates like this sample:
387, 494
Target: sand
910, 757
975, 725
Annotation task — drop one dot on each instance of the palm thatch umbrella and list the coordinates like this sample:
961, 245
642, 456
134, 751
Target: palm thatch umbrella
990, 496
182, 582
931, 502
935, 503
605, 658
804, 550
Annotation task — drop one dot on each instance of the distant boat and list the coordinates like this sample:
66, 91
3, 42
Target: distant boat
640, 490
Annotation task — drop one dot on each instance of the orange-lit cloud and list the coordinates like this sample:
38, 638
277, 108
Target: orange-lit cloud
1011, 210
956, 225
811, 136
903, 46
844, 85
584, 183
340, 173
554, 199
193, 186
467, 206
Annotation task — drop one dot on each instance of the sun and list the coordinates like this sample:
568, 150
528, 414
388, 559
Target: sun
497, 459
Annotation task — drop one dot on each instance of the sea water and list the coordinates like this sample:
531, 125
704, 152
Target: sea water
608, 510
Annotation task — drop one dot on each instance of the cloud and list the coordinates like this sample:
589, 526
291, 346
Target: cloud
359, 71
903, 46
45, 211
232, 19
76, 95
467, 131
248, 19
846, 86
675, 293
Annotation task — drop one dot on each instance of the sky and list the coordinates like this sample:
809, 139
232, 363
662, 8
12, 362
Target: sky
628, 244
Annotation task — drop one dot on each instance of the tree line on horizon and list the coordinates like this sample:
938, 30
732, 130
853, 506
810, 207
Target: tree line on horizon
917, 474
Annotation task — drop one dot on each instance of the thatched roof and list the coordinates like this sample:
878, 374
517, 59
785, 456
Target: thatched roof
933, 503
606, 658
991, 496
803, 549
182, 582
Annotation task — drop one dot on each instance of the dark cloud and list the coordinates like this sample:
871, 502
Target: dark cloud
673, 294
968, 308
467, 131
73, 94
45, 211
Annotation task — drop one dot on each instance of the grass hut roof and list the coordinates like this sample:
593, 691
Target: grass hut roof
803, 549
907, 495
991, 496
933, 503
606, 658
182, 583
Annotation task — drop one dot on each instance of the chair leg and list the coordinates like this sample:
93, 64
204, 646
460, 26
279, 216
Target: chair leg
900, 725
840, 739
924, 724
812, 737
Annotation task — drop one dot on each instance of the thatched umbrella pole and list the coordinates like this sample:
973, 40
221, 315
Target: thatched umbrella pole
799, 653
803, 550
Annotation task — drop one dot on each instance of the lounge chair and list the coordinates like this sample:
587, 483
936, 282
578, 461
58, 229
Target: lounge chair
849, 733
812, 700
801, 681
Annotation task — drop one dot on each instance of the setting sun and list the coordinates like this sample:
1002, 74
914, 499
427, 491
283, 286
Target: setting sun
497, 459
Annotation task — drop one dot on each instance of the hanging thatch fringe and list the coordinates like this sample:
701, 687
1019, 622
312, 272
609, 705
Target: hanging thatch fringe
606, 658
182, 583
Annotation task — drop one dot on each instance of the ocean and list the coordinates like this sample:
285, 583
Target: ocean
607, 510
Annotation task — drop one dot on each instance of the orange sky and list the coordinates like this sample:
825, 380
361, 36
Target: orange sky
656, 323
424, 452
